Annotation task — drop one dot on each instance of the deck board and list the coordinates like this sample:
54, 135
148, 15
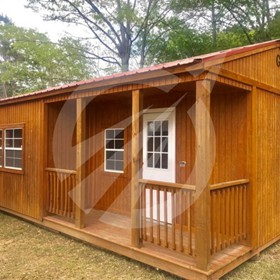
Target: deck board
115, 229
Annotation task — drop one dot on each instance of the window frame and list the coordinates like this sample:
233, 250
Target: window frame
3, 167
114, 150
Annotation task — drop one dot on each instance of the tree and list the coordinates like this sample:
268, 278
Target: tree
29, 61
178, 43
251, 16
274, 26
119, 28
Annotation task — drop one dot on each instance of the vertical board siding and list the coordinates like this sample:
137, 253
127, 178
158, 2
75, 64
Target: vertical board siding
22, 193
108, 190
61, 148
268, 166
258, 67
229, 116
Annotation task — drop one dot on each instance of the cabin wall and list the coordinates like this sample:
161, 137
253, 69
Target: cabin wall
258, 67
229, 116
268, 166
22, 193
62, 135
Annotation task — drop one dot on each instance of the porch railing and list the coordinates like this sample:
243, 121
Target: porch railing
167, 215
229, 209
60, 183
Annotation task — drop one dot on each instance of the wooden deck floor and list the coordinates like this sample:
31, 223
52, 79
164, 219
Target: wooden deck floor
112, 231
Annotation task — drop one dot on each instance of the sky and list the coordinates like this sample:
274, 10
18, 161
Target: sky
24, 17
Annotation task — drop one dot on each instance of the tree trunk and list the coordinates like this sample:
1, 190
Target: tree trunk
214, 25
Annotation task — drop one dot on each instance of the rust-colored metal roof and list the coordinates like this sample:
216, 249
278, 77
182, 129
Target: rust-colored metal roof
165, 66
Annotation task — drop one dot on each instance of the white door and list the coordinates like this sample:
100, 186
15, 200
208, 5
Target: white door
159, 154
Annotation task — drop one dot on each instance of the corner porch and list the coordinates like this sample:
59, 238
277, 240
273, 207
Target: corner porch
194, 227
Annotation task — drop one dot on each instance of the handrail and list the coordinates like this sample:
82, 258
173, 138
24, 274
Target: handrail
228, 184
168, 184
61, 170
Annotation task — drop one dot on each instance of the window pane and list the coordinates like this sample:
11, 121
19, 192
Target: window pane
0, 133
110, 144
157, 160
119, 144
157, 128
119, 155
111, 155
165, 128
10, 153
18, 133
17, 143
119, 165
164, 144
9, 133
9, 162
150, 160
109, 134
119, 134
150, 128
18, 163
110, 165
18, 154
150, 144
9, 143
164, 161
157, 144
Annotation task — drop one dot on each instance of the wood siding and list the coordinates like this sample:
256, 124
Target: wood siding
260, 67
61, 135
268, 166
229, 116
23, 193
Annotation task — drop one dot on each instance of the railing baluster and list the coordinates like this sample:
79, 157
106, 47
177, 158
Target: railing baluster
165, 219
180, 212
189, 224
158, 215
145, 213
173, 217
151, 215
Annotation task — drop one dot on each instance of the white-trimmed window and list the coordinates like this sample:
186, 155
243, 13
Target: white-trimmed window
13, 148
1, 147
114, 150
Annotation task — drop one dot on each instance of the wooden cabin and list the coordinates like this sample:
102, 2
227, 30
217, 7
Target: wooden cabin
176, 165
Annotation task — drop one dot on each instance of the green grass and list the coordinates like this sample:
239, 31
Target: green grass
30, 252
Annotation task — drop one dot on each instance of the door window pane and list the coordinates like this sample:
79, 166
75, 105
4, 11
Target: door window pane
157, 144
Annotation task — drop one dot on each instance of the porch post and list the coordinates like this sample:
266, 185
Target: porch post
80, 155
135, 190
203, 162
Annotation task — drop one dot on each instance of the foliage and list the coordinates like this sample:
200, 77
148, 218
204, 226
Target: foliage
274, 26
29, 61
119, 27
128, 33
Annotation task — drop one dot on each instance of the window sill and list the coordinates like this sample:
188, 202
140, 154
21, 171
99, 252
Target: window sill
114, 174
13, 171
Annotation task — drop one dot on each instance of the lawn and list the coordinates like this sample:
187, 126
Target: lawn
30, 252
